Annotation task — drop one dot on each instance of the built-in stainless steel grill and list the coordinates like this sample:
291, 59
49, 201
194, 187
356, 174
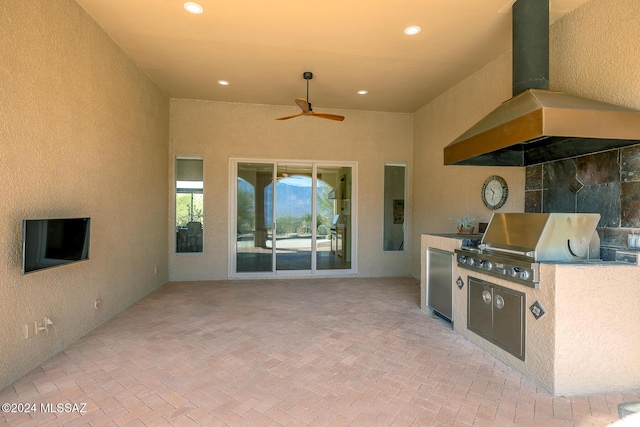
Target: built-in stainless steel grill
514, 244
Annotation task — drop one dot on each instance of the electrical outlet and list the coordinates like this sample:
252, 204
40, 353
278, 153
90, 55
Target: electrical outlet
97, 303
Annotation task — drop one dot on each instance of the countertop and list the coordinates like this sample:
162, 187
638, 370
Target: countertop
457, 235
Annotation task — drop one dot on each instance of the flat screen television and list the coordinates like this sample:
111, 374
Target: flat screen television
53, 242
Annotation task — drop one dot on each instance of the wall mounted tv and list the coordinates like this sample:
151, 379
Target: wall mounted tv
53, 242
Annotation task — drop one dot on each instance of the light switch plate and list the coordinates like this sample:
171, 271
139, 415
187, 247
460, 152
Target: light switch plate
29, 330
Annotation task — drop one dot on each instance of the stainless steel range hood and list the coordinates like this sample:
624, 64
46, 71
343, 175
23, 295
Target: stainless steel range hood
538, 125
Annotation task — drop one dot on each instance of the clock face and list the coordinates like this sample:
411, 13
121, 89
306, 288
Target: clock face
495, 192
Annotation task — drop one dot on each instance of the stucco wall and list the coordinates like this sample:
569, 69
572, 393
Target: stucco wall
83, 133
218, 131
597, 339
593, 52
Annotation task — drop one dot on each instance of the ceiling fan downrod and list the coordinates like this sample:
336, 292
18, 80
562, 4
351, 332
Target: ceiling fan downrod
308, 75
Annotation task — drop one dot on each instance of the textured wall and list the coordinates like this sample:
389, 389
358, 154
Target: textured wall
219, 131
594, 52
597, 336
83, 133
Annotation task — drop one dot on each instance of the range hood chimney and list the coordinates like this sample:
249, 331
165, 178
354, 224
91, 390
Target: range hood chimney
538, 125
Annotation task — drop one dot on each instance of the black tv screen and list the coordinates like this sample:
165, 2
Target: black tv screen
53, 242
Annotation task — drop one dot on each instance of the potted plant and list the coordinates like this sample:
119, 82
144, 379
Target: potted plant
465, 224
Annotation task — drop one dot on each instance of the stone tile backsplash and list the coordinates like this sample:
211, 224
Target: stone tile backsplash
607, 183
630, 164
630, 204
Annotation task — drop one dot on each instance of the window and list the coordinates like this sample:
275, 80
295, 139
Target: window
189, 205
394, 198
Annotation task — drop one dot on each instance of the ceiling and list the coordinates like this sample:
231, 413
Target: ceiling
263, 47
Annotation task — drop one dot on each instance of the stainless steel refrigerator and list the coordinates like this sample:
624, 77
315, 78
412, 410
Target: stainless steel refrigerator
440, 282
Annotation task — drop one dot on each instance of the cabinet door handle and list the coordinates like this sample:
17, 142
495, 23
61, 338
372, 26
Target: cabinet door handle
486, 297
499, 301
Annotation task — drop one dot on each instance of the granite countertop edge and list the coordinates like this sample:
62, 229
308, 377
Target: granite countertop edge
456, 235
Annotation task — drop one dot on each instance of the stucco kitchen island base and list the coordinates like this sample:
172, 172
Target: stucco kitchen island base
589, 339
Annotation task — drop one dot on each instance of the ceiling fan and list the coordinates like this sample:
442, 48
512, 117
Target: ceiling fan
305, 106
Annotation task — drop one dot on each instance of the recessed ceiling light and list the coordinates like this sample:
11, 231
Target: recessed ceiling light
194, 8
412, 30
363, 92
223, 82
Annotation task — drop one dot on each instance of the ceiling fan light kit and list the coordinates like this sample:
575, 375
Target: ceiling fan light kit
305, 105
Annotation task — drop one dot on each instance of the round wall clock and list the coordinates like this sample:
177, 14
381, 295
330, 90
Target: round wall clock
495, 192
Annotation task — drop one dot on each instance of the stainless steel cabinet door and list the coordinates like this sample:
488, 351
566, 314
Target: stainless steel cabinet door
508, 324
479, 316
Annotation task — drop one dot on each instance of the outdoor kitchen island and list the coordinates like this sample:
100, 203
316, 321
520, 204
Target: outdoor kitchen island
587, 339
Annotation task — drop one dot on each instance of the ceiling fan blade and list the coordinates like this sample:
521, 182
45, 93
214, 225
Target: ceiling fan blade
327, 116
290, 117
303, 104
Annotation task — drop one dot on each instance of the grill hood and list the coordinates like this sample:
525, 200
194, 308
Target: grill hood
555, 237
538, 125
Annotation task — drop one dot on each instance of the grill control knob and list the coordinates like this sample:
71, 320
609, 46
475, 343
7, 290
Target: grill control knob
470, 261
462, 259
524, 274
511, 271
487, 265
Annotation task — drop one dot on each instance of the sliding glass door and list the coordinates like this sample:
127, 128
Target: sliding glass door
334, 218
254, 217
292, 217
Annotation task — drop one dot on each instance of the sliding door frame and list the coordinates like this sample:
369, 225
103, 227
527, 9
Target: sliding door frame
314, 272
